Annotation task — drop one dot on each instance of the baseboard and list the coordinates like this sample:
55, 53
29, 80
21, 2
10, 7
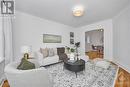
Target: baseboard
115, 77
2, 79
120, 65
1, 83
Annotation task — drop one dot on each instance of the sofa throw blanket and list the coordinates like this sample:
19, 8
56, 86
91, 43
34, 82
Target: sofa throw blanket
25, 65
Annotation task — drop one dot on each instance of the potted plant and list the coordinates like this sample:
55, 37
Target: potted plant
72, 55
67, 50
77, 45
72, 50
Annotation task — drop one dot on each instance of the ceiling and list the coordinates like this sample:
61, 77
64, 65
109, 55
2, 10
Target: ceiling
61, 10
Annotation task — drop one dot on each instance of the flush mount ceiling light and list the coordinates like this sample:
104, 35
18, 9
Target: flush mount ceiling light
78, 11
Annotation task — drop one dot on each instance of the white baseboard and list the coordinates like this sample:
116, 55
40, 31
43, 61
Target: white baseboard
1, 83
2, 79
120, 65
115, 77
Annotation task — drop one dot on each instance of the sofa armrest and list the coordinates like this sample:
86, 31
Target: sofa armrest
12, 68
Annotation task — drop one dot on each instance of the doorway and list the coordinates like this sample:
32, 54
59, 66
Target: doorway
94, 43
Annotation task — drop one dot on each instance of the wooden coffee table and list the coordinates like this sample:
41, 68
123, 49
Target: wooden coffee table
76, 66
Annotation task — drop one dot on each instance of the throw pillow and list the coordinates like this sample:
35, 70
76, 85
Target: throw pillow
44, 52
55, 51
41, 50
51, 52
25, 65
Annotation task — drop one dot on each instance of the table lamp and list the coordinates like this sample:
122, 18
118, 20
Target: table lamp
25, 50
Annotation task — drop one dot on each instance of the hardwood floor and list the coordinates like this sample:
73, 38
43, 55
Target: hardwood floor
123, 79
94, 54
5, 84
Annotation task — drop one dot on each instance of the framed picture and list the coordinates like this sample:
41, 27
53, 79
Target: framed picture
49, 38
71, 34
71, 41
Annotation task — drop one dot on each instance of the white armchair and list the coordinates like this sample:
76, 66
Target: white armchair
27, 78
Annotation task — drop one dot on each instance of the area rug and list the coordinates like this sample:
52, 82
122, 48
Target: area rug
92, 76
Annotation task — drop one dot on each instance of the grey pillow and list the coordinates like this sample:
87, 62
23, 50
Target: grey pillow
25, 65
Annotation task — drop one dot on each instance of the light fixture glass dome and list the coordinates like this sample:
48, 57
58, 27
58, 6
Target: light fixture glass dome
78, 10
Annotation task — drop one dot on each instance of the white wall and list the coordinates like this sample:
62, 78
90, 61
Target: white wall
29, 30
1, 37
1, 53
121, 41
108, 38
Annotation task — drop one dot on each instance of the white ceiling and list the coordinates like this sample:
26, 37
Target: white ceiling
61, 10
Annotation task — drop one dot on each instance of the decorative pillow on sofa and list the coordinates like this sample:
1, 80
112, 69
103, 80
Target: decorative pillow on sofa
103, 64
55, 51
45, 52
51, 52
25, 65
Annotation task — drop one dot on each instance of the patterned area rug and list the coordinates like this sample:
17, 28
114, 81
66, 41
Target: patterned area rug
92, 76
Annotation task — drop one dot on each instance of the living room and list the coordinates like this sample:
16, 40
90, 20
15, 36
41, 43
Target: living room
32, 21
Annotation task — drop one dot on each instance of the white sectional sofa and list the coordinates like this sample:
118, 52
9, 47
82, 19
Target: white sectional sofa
48, 60
37, 77
54, 59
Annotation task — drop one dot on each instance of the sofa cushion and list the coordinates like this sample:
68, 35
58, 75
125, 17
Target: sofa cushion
45, 52
25, 65
48, 60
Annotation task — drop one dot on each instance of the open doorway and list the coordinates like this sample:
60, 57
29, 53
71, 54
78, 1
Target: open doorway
94, 43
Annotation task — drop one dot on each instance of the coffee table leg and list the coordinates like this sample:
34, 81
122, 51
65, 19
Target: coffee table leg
63, 68
76, 74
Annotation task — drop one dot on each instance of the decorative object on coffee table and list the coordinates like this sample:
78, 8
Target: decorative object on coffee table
77, 45
26, 50
72, 54
67, 49
76, 66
